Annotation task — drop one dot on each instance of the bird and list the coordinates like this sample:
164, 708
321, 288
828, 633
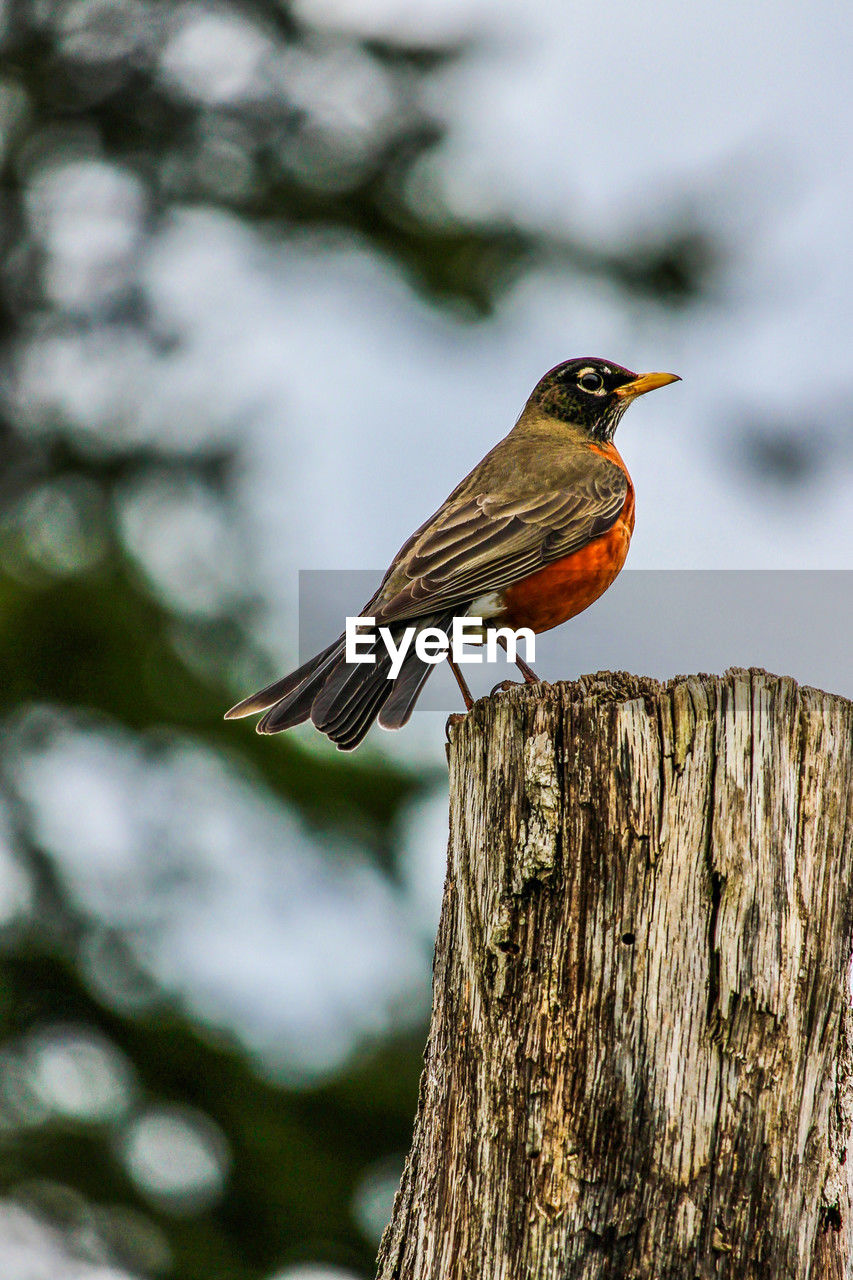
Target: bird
535, 533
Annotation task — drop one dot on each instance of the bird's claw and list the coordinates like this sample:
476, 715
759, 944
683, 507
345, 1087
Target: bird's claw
504, 686
452, 720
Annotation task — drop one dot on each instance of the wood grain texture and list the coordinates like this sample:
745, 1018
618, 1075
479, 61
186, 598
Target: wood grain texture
639, 1064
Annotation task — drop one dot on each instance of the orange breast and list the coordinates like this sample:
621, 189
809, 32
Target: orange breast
568, 586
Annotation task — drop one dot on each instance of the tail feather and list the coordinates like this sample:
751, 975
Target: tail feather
292, 710
351, 728
296, 706
351, 700
343, 699
346, 683
407, 689
280, 689
409, 685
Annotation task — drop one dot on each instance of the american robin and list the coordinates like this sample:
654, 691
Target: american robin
531, 537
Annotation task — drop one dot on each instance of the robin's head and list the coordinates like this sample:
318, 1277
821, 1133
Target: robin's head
593, 394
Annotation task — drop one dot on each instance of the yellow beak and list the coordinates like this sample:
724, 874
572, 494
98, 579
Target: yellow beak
645, 382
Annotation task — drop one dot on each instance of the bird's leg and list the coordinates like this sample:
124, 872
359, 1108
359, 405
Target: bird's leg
463, 688
530, 676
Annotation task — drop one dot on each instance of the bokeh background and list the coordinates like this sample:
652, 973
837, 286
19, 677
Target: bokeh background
274, 276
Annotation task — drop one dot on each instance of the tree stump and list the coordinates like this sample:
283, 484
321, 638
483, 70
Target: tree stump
640, 1063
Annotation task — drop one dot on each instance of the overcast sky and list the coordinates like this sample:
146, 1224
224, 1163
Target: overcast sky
593, 117
358, 407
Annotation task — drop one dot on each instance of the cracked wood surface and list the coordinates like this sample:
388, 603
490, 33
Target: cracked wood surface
639, 1063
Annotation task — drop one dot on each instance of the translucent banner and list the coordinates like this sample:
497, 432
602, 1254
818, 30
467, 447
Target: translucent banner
651, 622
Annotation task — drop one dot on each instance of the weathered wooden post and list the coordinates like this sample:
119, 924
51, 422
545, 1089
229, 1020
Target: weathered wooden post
639, 1064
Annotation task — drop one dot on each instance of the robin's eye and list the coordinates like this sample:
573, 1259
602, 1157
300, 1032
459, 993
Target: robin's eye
591, 381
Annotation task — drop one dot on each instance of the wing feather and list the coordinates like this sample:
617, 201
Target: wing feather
487, 542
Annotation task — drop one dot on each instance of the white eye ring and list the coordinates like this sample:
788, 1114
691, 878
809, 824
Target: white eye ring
597, 390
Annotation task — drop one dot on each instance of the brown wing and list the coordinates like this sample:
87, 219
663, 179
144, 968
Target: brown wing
482, 543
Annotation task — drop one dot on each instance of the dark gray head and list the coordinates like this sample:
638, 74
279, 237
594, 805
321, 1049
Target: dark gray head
593, 394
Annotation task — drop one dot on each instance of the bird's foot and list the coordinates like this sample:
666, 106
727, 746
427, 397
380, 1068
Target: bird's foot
504, 686
452, 720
